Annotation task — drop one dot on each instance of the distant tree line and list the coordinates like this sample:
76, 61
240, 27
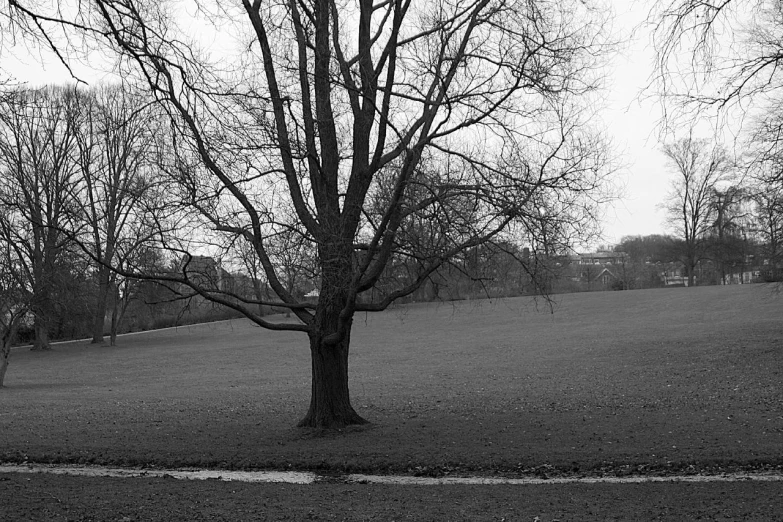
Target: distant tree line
84, 200
725, 214
80, 192
726, 210
83, 193
86, 203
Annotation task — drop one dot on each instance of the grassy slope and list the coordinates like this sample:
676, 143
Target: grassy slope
645, 379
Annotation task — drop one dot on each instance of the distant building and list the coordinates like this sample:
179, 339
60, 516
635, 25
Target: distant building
599, 270
606, 277
601, 258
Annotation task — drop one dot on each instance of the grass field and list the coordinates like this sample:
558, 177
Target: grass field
661, 381
671, 379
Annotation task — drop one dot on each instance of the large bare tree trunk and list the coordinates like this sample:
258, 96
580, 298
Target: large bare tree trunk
330, 402
330, 337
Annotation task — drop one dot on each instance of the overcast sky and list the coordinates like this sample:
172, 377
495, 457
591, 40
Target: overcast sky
632, 122
645, 175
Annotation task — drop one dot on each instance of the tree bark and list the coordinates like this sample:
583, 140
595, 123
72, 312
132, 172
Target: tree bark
41, 329
330, 402
100, 307
330, 337
116, 315
5, 353
7, 338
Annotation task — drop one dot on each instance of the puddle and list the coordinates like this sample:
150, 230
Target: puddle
287, 477
302, 477
488, 481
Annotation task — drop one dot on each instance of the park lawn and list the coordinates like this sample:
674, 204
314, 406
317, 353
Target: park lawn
616, 382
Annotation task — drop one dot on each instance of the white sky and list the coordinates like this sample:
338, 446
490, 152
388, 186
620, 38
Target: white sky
631, 123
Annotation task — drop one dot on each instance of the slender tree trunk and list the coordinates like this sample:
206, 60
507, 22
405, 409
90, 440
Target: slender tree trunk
113, 333
5, 353
259, 295
691, 274
120, 306
6, 339
41, 330
115, 315
290, 289
100, 306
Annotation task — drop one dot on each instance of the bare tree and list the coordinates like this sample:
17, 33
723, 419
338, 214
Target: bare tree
14, 295
293, 256
117, 153
769, 228
715, 55
699, 168
15, 298
722, 58
729, 230
470, 115
250, 265
37, 161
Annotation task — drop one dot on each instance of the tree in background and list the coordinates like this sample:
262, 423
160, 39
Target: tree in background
145, 303
294, 257
648, 257
714, 56
653, 248
117, 144
765, 159
733, 51
250, 265
471, 115
768, 214
700, 167
728, 235
38, 179
15, 299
